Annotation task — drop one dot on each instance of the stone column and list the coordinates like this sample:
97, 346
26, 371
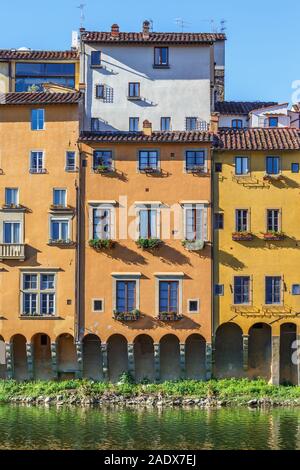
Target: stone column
182, 360
131, 365
245, 352
54, 359
79, 356
275, 360
104, 361
29, 356
9, 360
157, 361
208, 360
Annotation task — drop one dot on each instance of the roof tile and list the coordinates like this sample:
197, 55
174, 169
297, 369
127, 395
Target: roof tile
175, 38
240, 107
257, 139
39, 98
120, 137
11, 54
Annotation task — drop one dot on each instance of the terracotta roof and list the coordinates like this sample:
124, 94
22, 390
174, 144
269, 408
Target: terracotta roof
257, 139
12, 54
119, 137
39, 98
175, 38
240, 107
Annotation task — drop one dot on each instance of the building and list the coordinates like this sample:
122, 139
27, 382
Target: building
256, 253
170, 79
147, 263
38, 234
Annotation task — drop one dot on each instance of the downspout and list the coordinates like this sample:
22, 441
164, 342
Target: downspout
212, 257
78, 261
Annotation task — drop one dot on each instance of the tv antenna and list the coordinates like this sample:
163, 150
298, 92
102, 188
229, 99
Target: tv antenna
223, 26
181, 23
82, 15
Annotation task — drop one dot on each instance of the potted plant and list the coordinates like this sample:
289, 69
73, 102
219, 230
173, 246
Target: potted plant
101, 244
273, 235
127, 316
148, 243
193, 245
102, 168
169, 316
197, 169
242, 236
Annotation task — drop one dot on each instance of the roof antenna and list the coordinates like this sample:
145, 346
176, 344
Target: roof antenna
223, 26
82, 16
181, 23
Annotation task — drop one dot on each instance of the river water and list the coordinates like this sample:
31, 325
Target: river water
23, 427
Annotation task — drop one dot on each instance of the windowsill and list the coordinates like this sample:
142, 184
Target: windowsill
96, 66
272, 305
71, 170
40, 317
38, 172
134, 98
66, 244
58, 208
163, 66
17, 208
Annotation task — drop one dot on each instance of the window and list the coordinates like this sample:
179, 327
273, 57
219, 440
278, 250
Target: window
273, 121
95, 58
272, 165
38, 294
237, 123
37, 119
168, 296
148, 159
11, 196
11, 232
125, 296
60, 197
219, 289
273, 289
241, 220
37, 162
241, 290
241, 165
148, 223
165, 124
102, 220
191, 123
218, 221
70, 161
273, 224
100, 91
161, 56
102, 158
97, 305
193, 306
295, 289
133, 124
59, 229
194, 222
95, 124
218, 167
133, 90
194, 159
30, 76
295, 168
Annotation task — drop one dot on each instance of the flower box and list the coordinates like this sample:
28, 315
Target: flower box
273, 236
127, 316
199, 170
102, 244
103, 169
149, 170
242, 236
269, 177
196, 245
169, 316
148, 243
61, 242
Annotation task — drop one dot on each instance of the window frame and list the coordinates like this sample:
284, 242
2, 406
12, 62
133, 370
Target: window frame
242, 157
38, 171
280, 293
273, 157
17, 202
188, 119
237, 120
38, 291
203, 218
100, 86
93, 305
161, 123
93, 54
134, 96
103, 150
236, 211
67, 167
59, 219
38, 120
216, 215
134, 119
65, 190
160, 64
109, 205
279, 220
148, 151
242, 294
126, 277
270, 119
12, 222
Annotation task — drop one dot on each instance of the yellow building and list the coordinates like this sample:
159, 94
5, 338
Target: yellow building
38, 204
256, 253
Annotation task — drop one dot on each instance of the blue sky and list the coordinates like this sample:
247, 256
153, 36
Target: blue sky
262, 57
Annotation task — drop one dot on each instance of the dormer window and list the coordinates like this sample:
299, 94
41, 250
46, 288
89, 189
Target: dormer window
273, 121
237, 123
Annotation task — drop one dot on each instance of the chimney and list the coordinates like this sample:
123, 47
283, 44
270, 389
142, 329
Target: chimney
214, 122
147, 128
146, 29
115, 31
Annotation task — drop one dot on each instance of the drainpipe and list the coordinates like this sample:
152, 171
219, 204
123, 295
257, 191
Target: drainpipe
212, 260
78, 265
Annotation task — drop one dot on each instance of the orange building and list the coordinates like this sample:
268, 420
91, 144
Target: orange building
146, 257
39, 162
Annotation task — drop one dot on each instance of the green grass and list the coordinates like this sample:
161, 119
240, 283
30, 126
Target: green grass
235, 390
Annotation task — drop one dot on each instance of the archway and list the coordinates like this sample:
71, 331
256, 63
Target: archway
2, 359
195, 347
67, 365
144, 358
260, 351
169, 358
20, 367
42, 362
288, 370
117, 356
229, 351
92, 357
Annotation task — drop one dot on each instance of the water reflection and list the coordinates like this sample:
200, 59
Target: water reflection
79, 428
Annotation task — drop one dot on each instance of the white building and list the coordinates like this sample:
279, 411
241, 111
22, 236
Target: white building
169, 79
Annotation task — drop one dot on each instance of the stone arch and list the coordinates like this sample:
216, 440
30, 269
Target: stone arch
67, 366
20, 367
260, 351
2, 358
42, 361
144, 358
169, 358
195, 352
229, 351
288, 370
117, 356
92, 357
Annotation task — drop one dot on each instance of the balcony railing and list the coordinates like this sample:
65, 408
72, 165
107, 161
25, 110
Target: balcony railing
12, 251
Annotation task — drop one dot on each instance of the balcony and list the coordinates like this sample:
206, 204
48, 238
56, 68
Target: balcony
12, 251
